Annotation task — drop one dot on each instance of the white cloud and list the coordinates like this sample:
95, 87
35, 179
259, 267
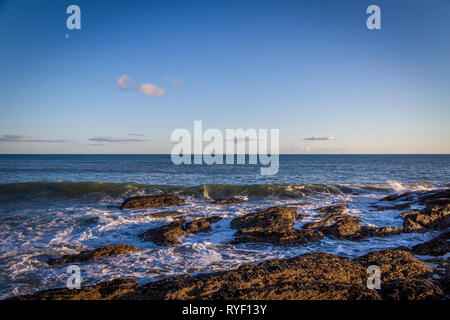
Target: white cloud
315, 138
115, 139
21, 138
151, 90
124, 83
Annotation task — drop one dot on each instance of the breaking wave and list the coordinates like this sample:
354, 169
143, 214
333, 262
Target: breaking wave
49, 190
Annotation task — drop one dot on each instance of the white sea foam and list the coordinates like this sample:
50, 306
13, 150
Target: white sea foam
32, 236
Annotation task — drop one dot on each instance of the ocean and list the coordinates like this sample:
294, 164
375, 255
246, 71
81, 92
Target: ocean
51, 205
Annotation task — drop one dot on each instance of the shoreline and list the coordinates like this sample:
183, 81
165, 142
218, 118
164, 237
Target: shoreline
416, 280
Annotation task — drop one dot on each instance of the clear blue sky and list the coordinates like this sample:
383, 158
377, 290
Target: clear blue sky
309, 68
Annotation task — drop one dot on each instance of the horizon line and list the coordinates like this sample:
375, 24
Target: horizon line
223, 154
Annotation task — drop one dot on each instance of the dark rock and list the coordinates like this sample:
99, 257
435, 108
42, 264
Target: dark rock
369, 231
228, 200
301, 216
168, 234
436, 216
273, 225
411, 289
312, 276
395, 264
435, 247
343, 228
349, 228
334, 210
107, 290
435, 196
159, 200
102, 252
407, 196
419, 196
400, 206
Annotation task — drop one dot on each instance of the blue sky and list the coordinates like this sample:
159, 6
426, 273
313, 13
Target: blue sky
308, 68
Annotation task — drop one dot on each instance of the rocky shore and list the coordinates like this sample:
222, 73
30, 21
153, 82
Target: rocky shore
311, 276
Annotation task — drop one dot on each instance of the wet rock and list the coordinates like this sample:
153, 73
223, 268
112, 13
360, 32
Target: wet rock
272, 225
107, 290
369, 231
331, 211
159, 200
435, 196
435, 216
168, 234
420, 197
319, 224
228, 200
312, 276
343, 228
400, 206
301, 216
406, 196
395, 264
411, 289
435, 247
102, 252
349, 228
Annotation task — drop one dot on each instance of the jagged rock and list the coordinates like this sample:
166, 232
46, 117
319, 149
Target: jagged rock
435, 247
320, 223
228, 200
395, 264
369, 231
435, 196
400, 206
406, 196
343, 228
312, 276
411, 289
332, 211
350, 228
159, 200
168, 234
272, 225
102, 252
420, 196
107, 290
435, 216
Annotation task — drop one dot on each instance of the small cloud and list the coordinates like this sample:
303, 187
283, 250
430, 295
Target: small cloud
21, 138
151, 90
136, 134
175, 82
125, 83
309, 150
315, 138
115, 139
